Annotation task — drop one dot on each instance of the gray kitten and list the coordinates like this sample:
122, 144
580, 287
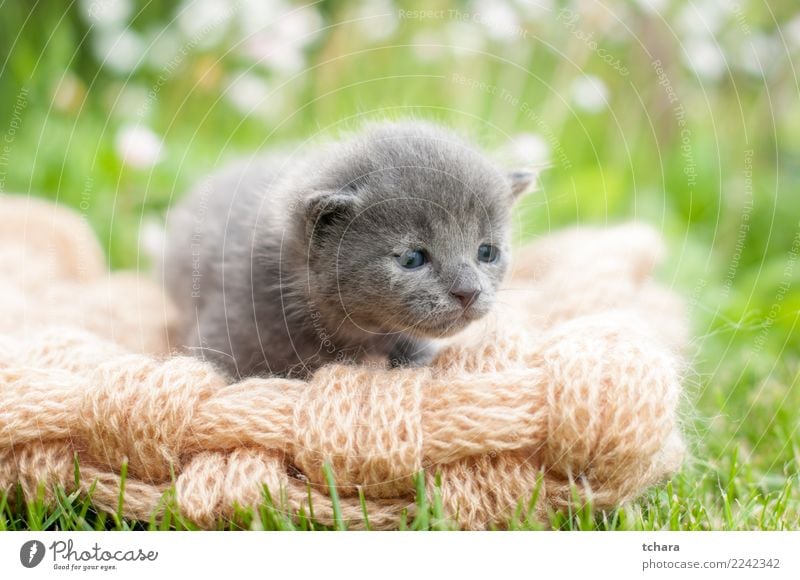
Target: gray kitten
370, 246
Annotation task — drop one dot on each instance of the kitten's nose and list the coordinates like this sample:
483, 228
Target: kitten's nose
465, 288
466, 296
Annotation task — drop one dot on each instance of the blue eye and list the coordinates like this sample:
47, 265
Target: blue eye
488, 253
412, 259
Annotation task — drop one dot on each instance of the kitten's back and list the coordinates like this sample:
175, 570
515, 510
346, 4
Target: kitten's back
210, 230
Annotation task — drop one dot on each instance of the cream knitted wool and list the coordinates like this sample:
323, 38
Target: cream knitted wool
575, 378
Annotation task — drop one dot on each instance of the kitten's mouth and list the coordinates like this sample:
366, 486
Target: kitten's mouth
447, 324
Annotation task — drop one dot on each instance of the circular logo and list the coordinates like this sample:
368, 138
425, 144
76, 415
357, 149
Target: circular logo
31, 553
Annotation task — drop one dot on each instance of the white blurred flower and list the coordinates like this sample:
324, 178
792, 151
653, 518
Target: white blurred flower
251, 95
705, 58
589, 93
107, 13
280, 46
274, 54
702, 18
498, 17
526, 150
246, 92
465, 38
759, 54
301, 25
152, 238
121, 50
792, 29
205, 22
255, 15
138, 146
376, 19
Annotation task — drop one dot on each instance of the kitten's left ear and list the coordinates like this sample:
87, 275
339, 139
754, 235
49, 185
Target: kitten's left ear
325, 208
522, 181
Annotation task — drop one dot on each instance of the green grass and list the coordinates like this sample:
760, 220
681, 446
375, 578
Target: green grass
733, 231
722, 497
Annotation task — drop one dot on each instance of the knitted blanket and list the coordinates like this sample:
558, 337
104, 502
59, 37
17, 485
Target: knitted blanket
574, 379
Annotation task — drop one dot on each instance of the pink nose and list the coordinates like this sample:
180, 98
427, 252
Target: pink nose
466, 296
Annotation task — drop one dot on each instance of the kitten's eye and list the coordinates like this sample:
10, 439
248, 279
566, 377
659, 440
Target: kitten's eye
412, 259
488, 253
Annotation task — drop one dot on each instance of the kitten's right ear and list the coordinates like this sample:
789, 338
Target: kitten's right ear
323, 209
521, 181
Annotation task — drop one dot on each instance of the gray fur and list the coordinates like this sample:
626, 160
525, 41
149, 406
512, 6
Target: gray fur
282, 264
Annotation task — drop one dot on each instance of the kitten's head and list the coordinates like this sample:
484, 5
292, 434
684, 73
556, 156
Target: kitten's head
407, 230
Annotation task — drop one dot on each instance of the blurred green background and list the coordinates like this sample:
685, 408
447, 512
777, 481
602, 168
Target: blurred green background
681, 114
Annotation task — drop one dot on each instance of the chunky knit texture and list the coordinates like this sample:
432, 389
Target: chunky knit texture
575, 378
